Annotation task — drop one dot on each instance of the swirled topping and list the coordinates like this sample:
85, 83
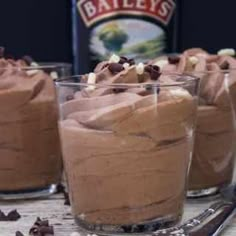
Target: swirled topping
212, 69
21, 81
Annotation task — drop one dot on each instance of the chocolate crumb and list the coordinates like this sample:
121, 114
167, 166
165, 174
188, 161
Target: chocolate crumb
18, 233
28, 60
174, 59
2, 216
224, 65
67, 199
41, 228
13, 216
115, 68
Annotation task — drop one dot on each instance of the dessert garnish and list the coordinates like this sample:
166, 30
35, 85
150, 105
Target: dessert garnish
18, 233
124, 60
115, 68
140, 68
154, 71
41, 228
173, 59
226, 52
224, 65
11, 216
114, 59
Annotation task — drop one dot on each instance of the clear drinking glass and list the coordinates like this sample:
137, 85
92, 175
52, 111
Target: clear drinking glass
30, 156
214, 149
127, 155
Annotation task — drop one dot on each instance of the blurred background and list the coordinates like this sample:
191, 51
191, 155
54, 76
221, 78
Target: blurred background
42, 28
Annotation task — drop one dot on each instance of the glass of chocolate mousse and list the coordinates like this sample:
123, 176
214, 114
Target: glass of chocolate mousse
214, 149
127, 137
30, 156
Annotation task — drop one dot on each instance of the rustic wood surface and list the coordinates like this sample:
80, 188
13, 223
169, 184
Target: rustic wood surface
59, 215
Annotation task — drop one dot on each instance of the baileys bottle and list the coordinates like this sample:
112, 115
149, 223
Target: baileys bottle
139, 29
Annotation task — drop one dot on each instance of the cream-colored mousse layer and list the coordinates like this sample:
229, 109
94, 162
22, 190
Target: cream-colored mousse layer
29, 141
127, 155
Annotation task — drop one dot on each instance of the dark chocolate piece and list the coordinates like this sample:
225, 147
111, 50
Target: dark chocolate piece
13, 215
224, 65
2, 216
126, 60
174, 59
154, 71
41, 228
115, 68
18, 233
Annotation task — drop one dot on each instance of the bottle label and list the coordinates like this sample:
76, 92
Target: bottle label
95, 10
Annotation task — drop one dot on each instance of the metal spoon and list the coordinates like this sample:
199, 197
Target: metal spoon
209, 223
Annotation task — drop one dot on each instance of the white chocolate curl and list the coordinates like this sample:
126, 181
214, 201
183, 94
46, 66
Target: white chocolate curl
91, 81
54, 75
226, 52
114, 59
140, 68
126, 65
193, 60
161, 63
32, 72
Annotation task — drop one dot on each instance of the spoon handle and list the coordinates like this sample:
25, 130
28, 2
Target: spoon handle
208, 223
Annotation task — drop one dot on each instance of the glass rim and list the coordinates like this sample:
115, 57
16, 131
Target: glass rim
41, 65
191, 79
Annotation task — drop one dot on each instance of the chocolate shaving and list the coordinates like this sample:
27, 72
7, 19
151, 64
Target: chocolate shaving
115, 68
126, 60
11, 216
173, 59
18, 233
224, 65
28, 60
41, 228
154, 71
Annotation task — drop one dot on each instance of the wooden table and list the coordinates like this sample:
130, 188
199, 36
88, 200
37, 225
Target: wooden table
59, 215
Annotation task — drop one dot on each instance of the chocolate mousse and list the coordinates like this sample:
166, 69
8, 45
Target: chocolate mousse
29, 142
213, 159
127, 153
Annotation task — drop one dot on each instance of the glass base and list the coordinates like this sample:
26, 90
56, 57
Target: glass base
29, 193
143, 227
203, 192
